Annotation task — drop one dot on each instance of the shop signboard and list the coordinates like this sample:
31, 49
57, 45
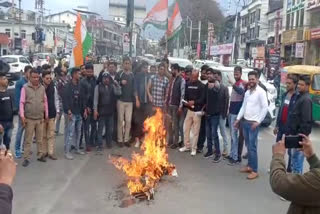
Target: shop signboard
299, 50
273, 61
315, 33
225, 49
311, 4
289, 36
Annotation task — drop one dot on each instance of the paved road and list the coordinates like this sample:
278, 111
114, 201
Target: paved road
91, 185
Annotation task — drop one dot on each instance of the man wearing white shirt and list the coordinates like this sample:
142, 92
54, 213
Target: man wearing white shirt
252, 113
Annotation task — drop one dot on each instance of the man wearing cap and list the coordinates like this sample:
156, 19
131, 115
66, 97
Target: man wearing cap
174, 104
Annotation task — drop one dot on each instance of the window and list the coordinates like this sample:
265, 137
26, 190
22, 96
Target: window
114, 37
104, 34
243, 38
8, 32
288, 22
23, 34
23, 60
243, 21
301, 17
316, 82
257, 32
271, 25
252, 36
258, 15
292, 21
9, 60
297, 19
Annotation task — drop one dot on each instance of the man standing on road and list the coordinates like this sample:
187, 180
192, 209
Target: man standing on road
104, 106
33, 108
236, 100
88, 85
194, 101
53, 109
253, 111
174, 102
104, 70
76, 108
157, 88
202, 133
216, 105
224, 107
125, 102
287, 104
303, 191
23, 80
301, 121
6, 112
142, 107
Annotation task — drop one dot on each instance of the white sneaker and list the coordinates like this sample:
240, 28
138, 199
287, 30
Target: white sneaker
137, 145
184, 149
194, 152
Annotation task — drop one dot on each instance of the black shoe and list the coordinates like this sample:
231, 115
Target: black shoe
46, 155
120, 144
217, 159
42, 159
239, 160
199, 151
174, 146
208, 155
72, 148
25, 163
227, 158
127, 144
181, 144
232, 162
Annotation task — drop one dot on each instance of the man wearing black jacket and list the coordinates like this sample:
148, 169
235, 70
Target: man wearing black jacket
90, 125
6, 112
194, 101
76, 108
216, 105
301, 120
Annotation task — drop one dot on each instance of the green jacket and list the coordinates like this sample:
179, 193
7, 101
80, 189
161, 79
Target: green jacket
302, 190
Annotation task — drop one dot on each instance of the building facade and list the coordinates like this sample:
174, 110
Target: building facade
66, 17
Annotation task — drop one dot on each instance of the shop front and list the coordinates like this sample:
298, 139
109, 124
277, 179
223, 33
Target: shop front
315, 46
223, 51
293, 46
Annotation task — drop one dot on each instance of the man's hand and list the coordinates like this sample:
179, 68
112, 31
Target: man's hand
254, 126
7, 167
23, 121
95, 115
85, 114
1, 129
151, 99
123, 82
179, 111
275, 130
306, 146
138, 103
236, 124
279, 148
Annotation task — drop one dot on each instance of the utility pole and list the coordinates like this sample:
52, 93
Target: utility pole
199, 41
235, 34
130, 22
12, 26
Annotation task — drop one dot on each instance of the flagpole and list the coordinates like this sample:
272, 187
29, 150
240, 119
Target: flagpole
167, 53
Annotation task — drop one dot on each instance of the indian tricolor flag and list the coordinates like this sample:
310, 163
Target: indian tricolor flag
174, 23
83, 43
158, 15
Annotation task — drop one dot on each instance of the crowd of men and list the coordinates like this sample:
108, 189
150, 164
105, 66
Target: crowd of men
114, 105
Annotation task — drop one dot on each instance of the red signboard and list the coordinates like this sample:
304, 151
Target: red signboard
4, 39
315, 33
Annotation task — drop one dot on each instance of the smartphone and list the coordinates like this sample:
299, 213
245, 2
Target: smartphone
292, 142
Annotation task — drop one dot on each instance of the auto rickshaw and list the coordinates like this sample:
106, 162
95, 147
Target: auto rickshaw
314, 73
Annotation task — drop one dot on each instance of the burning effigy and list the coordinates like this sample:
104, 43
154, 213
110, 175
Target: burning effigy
145, 170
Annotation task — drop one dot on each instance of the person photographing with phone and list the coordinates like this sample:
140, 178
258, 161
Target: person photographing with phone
303, 191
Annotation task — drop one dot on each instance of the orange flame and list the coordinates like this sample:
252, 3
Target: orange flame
144, 171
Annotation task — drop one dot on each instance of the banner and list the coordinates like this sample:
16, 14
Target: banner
224, 49
299, 50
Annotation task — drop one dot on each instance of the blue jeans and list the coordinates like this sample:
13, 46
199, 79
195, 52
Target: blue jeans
19, 134
5, 137
90, 130
251, 139
297, 159
74, 132
212, 124
107, 123
223, 132
234, 137
66, 128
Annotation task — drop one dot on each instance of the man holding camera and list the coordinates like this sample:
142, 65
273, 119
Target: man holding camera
302, 190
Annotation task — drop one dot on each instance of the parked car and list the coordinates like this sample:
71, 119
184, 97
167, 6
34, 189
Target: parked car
45, 58
17, 64
227, 73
